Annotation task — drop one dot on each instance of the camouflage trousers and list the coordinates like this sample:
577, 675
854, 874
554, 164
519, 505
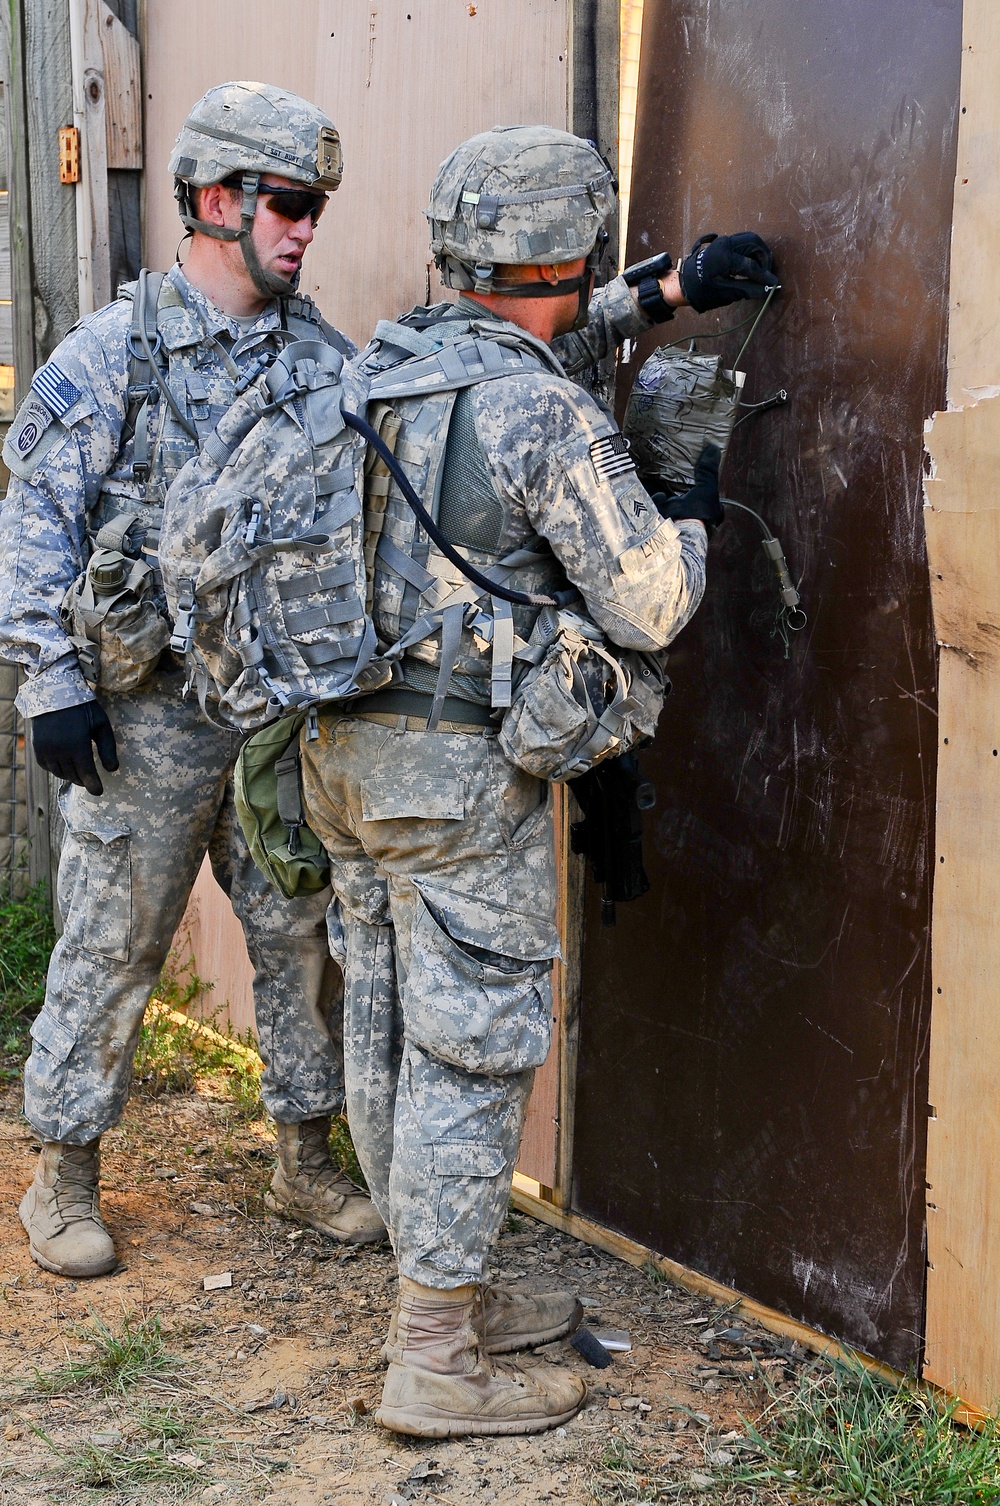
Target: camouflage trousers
444, 870
128, 863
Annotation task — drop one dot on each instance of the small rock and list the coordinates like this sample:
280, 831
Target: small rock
631, 1402
358, 1406
206, 1210
256, 1329
11, 1433
106, 1440
722, 1456
165, 1173
698, 1481
190, 1461
215, 1492
218, 1283
614, 1405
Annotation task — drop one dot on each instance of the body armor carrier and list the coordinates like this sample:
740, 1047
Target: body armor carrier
448, 638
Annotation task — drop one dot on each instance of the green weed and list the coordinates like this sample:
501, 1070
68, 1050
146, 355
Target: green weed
174, 1056
136, 1352
27, 936
842, 1434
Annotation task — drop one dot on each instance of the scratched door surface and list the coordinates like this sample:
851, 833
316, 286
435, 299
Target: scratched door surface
752, 1088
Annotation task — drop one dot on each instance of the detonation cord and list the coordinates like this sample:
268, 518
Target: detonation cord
791, 618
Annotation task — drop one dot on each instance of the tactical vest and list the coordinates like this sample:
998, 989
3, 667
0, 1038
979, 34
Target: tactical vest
449, 638
201, 378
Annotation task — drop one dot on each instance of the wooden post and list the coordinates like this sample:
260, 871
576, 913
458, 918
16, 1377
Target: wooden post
92, 231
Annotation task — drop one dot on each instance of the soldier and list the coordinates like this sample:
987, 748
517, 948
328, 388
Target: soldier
441, 849
126, 399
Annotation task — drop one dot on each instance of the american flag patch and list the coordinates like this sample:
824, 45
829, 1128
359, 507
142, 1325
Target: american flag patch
611, 458
55, 389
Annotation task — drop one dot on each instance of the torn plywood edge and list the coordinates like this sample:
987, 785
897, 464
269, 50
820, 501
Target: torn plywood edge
963, 1165
962, 520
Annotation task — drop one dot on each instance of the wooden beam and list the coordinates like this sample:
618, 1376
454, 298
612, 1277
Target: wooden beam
122, 92
89, 117
962, 516
22, 290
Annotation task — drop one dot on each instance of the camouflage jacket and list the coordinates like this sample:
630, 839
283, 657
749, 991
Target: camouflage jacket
71, 471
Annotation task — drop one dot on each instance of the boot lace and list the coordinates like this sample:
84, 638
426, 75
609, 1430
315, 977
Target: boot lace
75, 1190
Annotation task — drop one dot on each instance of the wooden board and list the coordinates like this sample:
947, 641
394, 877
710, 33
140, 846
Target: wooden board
404, 83
963, 544
123, 92
751, 1092
211, 934
90, 119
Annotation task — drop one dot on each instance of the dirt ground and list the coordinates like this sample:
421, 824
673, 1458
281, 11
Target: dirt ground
281, 1372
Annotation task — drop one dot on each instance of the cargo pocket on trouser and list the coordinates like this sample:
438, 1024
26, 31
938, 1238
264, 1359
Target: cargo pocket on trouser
478, 993
95, 885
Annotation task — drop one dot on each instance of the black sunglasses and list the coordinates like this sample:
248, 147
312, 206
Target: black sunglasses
291, 204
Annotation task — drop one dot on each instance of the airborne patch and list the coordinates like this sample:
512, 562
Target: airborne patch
610, 457
55, 389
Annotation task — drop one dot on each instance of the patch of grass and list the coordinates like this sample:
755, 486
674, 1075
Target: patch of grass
841, 1434
622, 1476
136, 1352
27, 936
165, 1450
178, 1057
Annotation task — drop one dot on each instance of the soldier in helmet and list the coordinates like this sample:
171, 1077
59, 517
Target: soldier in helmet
441, 849
126, 399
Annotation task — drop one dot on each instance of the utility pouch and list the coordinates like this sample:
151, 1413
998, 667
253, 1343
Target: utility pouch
581, 702
112, 615
267, 792
681, 401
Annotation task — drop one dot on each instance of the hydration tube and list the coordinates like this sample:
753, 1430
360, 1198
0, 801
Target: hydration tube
492, 587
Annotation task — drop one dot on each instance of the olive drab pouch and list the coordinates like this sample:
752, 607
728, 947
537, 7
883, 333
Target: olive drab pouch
680, 402
261, 548
268, 796
581, 701
113, 613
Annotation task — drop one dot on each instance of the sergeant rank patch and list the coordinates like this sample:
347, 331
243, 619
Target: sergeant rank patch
55, 389
610, 457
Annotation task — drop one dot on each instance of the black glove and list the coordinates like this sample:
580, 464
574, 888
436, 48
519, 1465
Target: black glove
61, 742
724, 268
702, 501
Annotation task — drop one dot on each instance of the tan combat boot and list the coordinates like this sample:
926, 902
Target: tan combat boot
515, 1320
308, 1188
61, 1212
442, 1384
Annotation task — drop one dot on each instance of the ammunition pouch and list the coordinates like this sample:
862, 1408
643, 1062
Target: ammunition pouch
112, 615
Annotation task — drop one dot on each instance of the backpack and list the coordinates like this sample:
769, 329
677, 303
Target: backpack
262, 552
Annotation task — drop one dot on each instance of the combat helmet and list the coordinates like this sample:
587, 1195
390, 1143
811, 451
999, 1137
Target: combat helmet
519, 195
246, 129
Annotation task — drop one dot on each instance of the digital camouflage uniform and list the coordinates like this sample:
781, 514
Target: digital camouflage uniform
131, 856
441, 850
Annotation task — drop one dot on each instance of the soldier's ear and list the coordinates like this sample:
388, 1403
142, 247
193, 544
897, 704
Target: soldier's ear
211, 203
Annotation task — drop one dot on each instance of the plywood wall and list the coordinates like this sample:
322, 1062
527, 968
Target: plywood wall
963, 538
405, 81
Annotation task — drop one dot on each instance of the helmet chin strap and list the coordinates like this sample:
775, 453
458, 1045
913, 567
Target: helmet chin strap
481, 278
268, 284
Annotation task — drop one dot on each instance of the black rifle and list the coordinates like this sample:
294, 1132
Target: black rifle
613, 797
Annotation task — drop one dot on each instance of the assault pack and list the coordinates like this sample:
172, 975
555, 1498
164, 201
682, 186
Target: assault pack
272, 535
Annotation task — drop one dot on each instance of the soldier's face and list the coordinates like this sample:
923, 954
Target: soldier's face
280, 243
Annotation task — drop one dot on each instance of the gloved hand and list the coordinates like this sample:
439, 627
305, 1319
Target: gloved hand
702, 501
61, 742
724, 268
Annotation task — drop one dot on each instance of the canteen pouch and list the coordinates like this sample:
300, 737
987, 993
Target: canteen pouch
267, 793
581, 702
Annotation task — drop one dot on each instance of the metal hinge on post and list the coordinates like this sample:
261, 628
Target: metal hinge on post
69, 154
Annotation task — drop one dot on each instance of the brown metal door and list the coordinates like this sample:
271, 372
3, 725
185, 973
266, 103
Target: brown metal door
752, 1086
